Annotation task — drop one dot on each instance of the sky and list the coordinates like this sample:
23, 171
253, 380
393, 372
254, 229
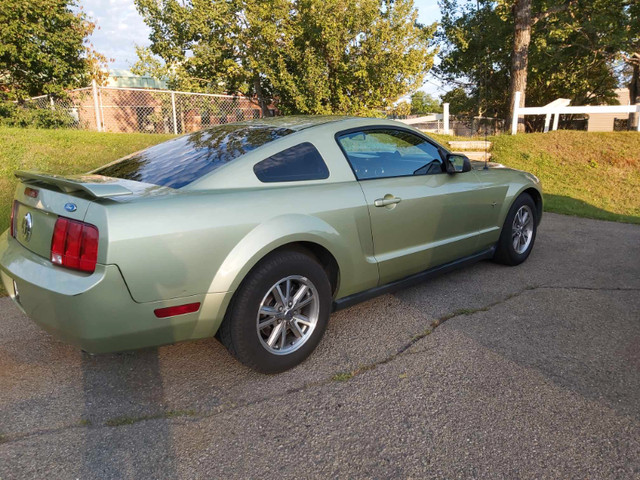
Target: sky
120, 28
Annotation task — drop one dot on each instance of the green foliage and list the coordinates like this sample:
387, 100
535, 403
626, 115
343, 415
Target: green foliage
572, 52
42, 48
198, 46
28, 115
402, 109
422, 102
347, 56
316, 57
459, 102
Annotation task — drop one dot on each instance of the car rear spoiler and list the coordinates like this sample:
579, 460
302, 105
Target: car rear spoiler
94, 185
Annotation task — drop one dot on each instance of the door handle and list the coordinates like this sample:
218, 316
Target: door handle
386, 201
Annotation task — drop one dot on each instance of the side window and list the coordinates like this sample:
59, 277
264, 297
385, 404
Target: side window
302, 162
390, 153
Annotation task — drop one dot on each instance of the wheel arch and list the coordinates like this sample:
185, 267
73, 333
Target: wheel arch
303, 233
537, 200
324, 257
514, 192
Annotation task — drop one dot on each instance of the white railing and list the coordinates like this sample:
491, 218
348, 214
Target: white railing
436, 117
554, 109
461, 125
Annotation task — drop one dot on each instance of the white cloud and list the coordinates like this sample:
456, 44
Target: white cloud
119, 29
428, 11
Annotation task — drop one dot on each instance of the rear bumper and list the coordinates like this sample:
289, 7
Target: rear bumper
96, 312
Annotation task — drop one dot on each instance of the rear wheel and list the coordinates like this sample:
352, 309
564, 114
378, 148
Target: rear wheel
518, 232
279, 313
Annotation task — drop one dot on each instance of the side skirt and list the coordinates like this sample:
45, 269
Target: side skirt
411, 280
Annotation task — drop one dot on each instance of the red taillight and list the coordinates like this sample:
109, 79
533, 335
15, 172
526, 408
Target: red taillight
89, 255
31, 192
74, 245
58, 240
177, 310
14, 208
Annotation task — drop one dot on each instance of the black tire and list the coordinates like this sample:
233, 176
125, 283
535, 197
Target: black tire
238, 331
506, 253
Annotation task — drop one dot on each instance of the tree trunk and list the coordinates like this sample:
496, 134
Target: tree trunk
520, 55
261, 100
634, 89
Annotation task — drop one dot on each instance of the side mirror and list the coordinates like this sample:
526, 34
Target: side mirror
457, 163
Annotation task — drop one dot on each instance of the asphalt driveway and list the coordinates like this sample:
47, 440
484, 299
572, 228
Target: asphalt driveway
531, 372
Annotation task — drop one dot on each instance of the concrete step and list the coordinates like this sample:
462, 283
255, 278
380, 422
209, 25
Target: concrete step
476, 155
470, 145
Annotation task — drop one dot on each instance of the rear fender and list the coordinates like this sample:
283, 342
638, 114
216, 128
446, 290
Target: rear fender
271, 235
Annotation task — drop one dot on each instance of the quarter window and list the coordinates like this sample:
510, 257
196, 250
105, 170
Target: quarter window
302, 162
180, 161
390, 153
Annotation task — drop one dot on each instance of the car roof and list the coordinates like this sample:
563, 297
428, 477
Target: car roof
295, 122
314, 129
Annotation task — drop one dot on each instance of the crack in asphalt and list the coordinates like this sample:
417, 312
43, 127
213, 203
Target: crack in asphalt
593, 289
194, 415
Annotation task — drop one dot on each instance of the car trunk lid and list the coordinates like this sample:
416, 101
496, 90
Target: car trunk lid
95, 186
41, 198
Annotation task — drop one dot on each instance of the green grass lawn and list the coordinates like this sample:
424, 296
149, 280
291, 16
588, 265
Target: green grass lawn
61, 152
594, 175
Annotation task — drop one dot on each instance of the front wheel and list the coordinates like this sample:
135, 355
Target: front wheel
518, 232
279, 313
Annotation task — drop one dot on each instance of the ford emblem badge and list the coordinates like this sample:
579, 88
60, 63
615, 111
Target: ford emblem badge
70, 207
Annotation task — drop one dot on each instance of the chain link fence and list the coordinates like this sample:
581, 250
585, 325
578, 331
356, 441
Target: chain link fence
465, 126
458, 125
121, 109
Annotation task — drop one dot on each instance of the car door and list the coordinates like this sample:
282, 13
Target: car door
420, 215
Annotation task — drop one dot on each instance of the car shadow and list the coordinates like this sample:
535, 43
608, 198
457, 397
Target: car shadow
573, 206
120, 390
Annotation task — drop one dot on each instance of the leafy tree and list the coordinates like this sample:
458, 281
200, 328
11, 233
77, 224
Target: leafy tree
402, 109
545, 48
43, 48
348, 56
199, 45
422, 102
631, 57
459, 102
330, 56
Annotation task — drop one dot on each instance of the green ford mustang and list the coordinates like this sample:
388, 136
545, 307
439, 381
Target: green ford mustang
254, 232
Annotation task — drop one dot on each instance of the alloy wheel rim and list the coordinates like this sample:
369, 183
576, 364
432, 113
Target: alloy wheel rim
522, 230
288, 315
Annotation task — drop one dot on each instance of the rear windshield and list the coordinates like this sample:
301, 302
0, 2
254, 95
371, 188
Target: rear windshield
178, 162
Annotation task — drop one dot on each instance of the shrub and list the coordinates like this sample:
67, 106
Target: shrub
29, 115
